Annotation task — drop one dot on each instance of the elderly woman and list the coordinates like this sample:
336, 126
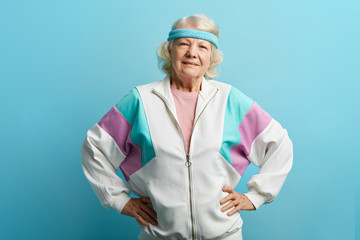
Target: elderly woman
183, 143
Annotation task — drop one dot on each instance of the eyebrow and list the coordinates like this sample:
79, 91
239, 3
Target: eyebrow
188, 40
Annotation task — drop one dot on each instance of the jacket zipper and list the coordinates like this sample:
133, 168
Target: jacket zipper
188, 162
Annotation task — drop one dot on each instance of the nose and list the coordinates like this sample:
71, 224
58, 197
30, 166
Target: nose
191, 52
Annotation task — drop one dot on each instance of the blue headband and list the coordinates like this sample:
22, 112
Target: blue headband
192, 33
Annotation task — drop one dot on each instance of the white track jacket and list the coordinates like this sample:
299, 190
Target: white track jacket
141, 135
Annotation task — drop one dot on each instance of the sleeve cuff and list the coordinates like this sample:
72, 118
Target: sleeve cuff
256, 198
121, 201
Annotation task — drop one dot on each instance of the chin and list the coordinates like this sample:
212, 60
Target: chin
192, 74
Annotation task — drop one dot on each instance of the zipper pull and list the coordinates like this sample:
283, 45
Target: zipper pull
187, 163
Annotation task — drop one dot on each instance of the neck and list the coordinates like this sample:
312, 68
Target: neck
186, 85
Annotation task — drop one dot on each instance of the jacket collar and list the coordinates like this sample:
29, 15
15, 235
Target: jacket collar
208, 91
163, 88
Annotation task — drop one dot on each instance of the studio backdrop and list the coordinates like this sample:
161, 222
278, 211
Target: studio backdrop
64, 64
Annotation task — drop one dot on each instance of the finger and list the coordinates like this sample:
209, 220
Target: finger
140, 219
148, 218
227, 189
229, 197
232, 212
228, 206
149, 211
146, 200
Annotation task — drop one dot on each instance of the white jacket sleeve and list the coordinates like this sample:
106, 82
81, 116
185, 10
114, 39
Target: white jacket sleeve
272, 151
100, 157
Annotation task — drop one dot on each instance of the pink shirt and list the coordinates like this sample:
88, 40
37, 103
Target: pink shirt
185, 103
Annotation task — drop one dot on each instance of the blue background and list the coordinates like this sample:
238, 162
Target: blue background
63, 64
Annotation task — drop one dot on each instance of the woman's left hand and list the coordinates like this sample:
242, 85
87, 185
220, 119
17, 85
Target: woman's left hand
235, 200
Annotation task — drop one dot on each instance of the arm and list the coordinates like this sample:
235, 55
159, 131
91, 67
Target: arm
272, 151
107, 146
264, 143
100, 157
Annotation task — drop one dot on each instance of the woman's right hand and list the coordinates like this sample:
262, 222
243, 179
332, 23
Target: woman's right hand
141, 209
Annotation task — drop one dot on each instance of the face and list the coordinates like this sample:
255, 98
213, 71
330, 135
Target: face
190, 57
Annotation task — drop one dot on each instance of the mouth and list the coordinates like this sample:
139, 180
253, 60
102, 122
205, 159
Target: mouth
188, 63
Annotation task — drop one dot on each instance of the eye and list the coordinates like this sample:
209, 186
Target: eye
183, 44
203, 47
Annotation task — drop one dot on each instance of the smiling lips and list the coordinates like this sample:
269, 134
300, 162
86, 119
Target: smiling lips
190, 63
